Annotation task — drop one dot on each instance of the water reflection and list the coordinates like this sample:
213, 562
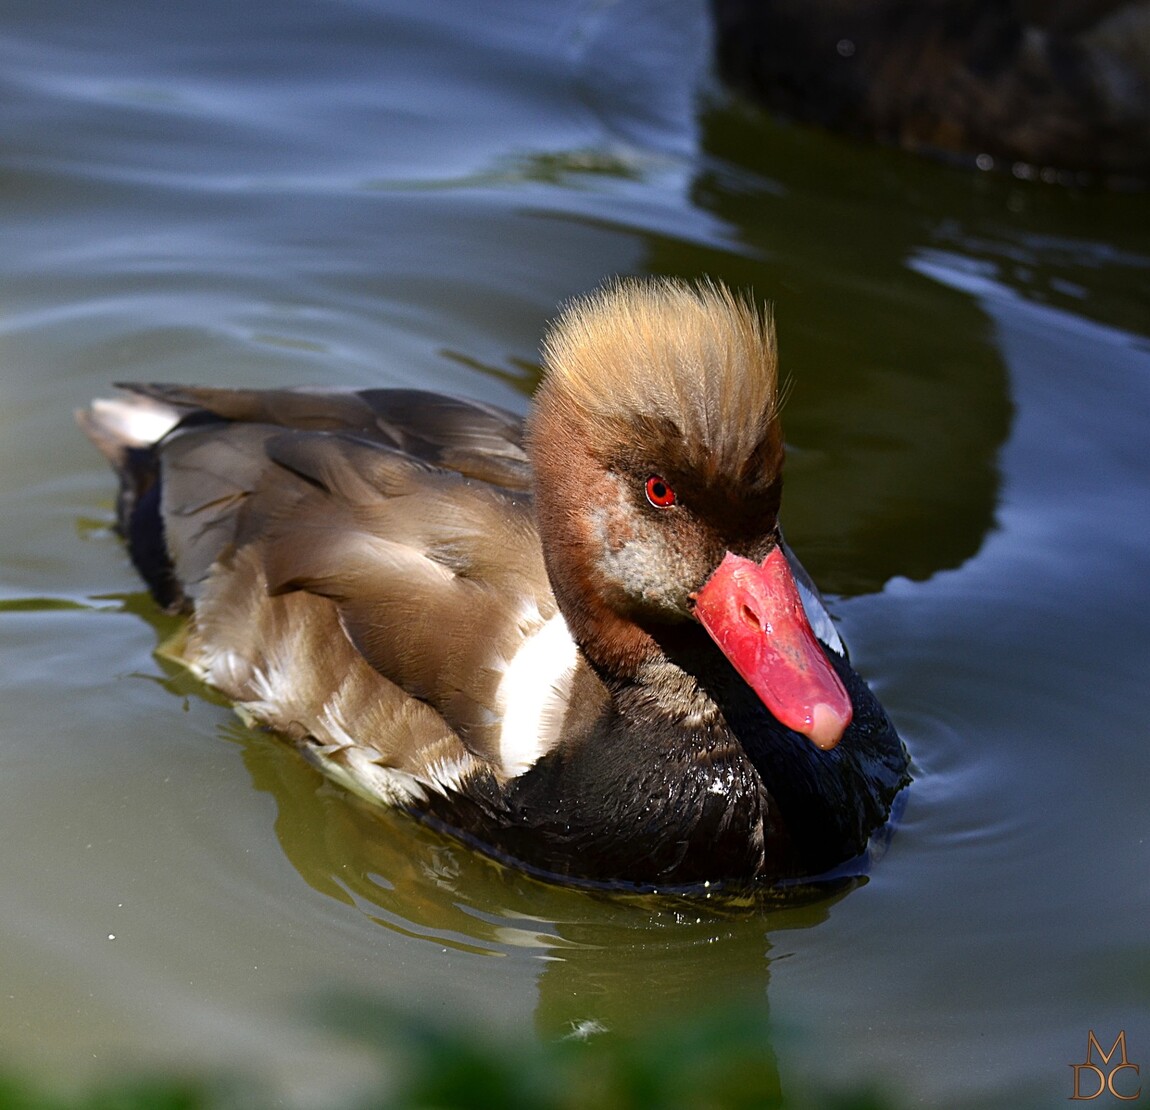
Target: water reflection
605, 961
893, 429
602, 961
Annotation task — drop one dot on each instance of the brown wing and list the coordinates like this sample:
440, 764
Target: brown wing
349, 588
475, 439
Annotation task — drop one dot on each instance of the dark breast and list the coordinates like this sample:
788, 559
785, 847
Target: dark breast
746, 803
626, 809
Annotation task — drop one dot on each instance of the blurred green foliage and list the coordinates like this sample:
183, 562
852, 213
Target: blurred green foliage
718, 1062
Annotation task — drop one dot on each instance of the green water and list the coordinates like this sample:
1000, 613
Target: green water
394, 193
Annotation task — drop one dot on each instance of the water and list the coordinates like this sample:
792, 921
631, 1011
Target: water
394, 193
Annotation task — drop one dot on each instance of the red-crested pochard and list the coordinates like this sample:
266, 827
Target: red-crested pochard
579, 644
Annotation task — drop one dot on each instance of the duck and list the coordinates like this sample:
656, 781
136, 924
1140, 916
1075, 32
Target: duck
577, 642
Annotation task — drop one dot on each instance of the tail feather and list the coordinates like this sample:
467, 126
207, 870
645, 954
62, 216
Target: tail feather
118, 425
125, 430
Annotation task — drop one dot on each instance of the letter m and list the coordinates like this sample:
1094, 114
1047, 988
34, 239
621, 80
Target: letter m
1093, 1046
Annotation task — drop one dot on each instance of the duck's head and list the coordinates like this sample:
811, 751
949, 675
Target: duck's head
657, 452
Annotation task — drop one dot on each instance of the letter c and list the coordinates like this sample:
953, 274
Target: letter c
1110, 1082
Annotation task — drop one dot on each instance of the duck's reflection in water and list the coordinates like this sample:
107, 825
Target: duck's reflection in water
603, 961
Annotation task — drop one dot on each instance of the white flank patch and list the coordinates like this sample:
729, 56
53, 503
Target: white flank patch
533, 694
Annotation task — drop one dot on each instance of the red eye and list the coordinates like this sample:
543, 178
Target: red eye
659, 493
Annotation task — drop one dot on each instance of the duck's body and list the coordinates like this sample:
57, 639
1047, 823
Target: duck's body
513, 632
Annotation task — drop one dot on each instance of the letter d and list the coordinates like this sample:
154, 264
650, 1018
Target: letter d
1078, 1096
